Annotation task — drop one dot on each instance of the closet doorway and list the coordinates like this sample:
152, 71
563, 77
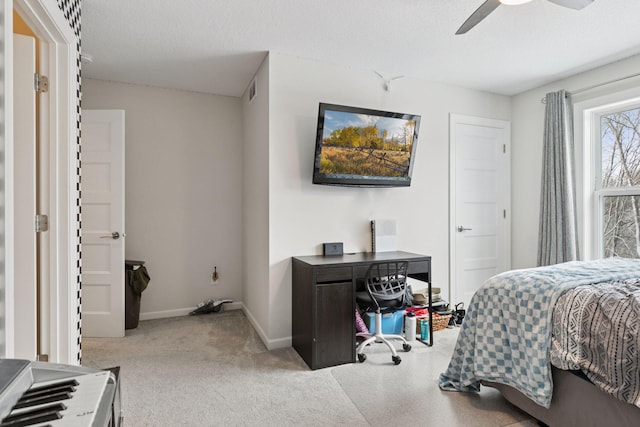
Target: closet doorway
480, 217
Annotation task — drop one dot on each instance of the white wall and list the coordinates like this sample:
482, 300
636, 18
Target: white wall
183, 154
526, 157
280, 213
303, 215
256, 203
6, 134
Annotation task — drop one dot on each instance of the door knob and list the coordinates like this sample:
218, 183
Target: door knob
461, 229
115, 236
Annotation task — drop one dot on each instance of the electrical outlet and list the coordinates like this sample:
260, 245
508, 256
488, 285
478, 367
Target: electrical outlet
215, 277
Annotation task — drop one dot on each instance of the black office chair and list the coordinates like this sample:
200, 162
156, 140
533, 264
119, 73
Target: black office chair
386, 285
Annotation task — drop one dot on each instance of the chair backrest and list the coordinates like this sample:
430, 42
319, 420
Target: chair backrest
386, 282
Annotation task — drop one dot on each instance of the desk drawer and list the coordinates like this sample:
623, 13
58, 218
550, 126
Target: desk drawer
333, 274
418, 267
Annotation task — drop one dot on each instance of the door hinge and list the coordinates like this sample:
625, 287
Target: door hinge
40, 83
504, 213
504, 148
42, 223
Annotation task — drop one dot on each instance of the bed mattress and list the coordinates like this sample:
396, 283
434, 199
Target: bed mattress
507, 334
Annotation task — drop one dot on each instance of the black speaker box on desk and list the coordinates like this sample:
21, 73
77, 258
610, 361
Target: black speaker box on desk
332, 248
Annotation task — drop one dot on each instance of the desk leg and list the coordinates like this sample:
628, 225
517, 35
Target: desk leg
429, 342
430, 316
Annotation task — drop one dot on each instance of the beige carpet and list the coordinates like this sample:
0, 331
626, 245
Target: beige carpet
412, 388
213, 370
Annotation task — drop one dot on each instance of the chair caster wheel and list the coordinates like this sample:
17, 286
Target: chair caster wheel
362, 357
396, 360
406, 347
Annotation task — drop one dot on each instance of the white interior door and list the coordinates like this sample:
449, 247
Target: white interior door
480, 215
102, 223
24, 104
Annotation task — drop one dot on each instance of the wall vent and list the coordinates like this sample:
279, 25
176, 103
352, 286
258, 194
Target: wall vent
253, 90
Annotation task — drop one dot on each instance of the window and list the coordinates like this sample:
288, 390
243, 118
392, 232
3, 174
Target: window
616, 172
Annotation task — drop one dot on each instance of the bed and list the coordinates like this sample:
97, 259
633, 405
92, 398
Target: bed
561, 342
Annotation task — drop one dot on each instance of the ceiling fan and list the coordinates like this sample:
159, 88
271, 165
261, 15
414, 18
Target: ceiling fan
490, 5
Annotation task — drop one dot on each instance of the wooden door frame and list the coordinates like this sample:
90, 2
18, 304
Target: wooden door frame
479, 121
58, 134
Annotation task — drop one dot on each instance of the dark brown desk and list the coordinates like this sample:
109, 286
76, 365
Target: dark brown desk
323, 302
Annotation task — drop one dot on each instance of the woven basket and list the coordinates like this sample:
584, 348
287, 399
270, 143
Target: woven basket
440, 322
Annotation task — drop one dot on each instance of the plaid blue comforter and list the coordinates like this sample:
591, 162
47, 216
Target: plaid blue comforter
506, 334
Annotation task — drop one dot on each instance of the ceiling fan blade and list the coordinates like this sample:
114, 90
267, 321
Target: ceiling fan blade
482, 12
573, 4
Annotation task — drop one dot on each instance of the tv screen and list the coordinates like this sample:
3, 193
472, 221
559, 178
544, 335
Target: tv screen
363, 147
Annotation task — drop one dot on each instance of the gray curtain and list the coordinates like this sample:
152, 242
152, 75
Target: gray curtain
558, 237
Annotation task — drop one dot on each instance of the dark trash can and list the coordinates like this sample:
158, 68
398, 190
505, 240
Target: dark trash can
136, 279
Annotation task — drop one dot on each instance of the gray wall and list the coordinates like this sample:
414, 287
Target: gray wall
183, 186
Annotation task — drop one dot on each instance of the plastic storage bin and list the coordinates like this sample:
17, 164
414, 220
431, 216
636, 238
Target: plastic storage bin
391, 322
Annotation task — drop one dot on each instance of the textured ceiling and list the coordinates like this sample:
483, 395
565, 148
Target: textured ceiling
216, 46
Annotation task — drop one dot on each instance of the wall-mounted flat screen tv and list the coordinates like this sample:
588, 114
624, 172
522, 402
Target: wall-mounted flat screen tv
363, 147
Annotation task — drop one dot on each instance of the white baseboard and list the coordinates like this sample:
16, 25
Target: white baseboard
236, 305
279, 343
271, 344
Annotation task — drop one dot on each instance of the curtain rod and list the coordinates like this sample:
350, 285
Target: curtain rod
584, 89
